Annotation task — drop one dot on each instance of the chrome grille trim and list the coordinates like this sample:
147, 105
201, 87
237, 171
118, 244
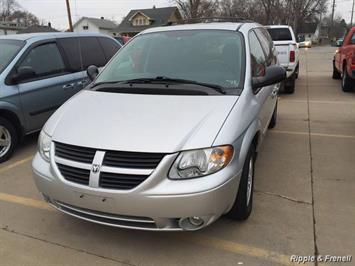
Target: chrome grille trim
130, 222
67, 162
126, 171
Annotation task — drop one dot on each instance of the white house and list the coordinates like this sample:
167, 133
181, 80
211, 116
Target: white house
8, 27
97, 25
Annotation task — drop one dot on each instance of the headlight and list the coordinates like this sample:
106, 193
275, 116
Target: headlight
44, 144
198, 163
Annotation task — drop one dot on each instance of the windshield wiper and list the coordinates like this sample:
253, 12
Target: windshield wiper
168, 80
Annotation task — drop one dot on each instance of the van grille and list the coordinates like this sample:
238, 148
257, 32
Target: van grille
76, 175
135, 160
120, 181
74, 153
79, 160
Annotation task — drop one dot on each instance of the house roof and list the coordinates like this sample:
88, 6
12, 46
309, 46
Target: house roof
99, 22
37, 28
159, 17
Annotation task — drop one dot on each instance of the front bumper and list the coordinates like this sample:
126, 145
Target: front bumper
153, 205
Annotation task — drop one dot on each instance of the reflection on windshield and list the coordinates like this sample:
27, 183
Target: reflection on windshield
208, 56
8, 50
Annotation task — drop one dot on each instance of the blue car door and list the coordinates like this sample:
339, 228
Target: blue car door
45, 91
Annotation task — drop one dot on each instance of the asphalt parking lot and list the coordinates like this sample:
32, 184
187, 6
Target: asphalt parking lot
303, 205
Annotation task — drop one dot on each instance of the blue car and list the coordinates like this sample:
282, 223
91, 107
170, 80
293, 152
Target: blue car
38, 73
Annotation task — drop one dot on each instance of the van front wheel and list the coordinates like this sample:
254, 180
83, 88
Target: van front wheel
8, 139
243, 204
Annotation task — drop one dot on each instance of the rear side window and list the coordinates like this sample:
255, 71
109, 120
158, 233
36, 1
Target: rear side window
257, 56
72, 52
91, 51
267, 45
45, 60
110, 47
280, 34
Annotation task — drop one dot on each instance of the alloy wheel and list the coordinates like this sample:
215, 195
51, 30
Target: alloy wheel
250, 180
5, 140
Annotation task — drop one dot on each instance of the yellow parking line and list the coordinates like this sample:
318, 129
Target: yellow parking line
25, 201
199, 239
13, 165
241, 249
313, 134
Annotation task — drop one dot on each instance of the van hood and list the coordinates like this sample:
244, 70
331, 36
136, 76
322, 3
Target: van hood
142, 123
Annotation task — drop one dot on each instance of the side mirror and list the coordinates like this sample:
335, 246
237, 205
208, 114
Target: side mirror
92, 72
23, 73
273, 75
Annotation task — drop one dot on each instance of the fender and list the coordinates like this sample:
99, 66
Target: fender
246, 139
14, 110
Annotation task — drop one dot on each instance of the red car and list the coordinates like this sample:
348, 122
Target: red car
344, 62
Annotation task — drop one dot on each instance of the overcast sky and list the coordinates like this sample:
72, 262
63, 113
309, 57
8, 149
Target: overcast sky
55, 10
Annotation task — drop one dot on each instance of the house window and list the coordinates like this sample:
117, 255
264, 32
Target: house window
85, 27
140, 22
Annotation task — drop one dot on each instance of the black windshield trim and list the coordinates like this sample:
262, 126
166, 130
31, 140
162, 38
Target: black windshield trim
161, 88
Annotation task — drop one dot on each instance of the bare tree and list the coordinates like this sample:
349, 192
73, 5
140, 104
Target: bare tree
10, 10
24, 17
191, 9
251, 9
7, 7
304, 10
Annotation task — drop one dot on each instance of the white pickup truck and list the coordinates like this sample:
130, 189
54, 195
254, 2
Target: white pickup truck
288, 53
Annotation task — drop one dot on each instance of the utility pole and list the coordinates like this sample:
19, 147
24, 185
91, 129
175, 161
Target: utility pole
333, 9
332, 22
69, 16
352, 14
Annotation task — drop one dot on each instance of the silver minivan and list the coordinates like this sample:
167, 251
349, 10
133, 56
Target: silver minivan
38, 73
166, 136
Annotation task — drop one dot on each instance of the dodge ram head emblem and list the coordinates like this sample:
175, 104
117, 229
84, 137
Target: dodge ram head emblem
95, 168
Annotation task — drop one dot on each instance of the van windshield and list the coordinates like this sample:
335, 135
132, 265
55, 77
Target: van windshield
212, 57
8, 50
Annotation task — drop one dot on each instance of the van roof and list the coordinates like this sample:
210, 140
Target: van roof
232, 26
46, 35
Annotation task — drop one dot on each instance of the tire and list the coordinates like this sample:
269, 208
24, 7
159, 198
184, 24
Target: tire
336, 74
243, 203
290, 85
8, 139
273, 120
347, 83
297, 71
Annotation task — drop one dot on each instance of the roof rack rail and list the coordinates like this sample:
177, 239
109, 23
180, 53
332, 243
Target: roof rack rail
216, 19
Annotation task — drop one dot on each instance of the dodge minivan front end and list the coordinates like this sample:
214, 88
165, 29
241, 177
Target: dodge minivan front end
150, 191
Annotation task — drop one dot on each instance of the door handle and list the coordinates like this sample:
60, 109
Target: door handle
68, 86
83, 82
